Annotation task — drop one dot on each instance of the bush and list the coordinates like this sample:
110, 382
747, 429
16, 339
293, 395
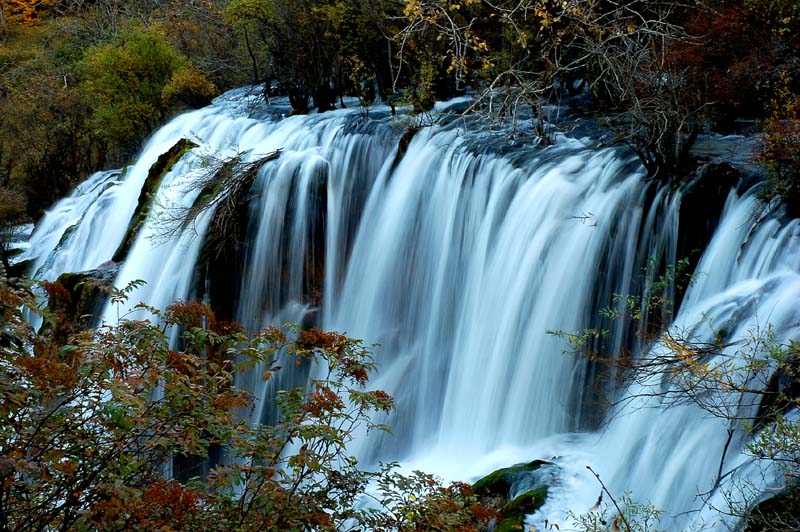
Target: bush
88, 430
12, 213
780, 152
128, 81
48, 142
187, 87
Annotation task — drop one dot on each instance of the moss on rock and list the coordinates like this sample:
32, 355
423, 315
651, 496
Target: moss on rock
158, 170
512, 516
496, 490
499, 482
75, 306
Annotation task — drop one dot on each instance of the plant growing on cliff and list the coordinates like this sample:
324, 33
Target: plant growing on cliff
751, 385
118, 430
623, 515
780, 149
224, 184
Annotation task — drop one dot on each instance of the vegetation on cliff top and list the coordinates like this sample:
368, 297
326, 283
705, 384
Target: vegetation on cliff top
83, 82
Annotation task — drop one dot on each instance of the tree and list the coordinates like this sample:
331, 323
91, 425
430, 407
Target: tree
301, 42
780, 149
91, 429
12, 214
315, 50
630, 64
136, 82
19, 12
49, 143
522, 53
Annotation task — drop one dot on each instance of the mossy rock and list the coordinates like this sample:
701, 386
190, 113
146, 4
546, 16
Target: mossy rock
76, 306
499, 483
68, 232
158, 170
512, 517
403, 143
701, 206
19, 269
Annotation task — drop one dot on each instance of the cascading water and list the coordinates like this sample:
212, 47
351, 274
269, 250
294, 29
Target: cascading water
456, 252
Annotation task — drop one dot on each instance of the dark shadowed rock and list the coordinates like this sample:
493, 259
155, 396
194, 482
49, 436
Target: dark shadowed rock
76, 305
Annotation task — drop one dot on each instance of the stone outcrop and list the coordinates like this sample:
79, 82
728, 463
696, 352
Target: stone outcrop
518, 490
160, 168
77, 300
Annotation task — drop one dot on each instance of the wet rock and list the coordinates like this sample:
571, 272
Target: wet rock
160, 168
512, 516
76, 302
404, 142
779, 512
500, 482
518, 490
701, 207
20, 268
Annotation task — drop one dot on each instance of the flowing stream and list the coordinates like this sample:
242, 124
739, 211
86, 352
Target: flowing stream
457, 251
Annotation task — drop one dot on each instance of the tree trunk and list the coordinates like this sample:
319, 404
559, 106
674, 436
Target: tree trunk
3, 23
324, 97
251, 53
298, 98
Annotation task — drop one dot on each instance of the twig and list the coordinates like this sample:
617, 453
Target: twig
613, 500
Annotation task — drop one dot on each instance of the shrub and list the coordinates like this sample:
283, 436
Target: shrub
88, 430
12, 213
134, 83
780, 151
187, 87
48, 142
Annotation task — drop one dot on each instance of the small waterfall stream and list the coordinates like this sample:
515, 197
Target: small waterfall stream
456, 253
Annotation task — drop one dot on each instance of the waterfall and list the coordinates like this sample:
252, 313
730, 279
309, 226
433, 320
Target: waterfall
456, 251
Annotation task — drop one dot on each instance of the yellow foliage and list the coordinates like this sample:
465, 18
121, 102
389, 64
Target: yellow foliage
189, 86
25, 12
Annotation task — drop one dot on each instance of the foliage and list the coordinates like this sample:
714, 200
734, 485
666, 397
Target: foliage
224, 184
134, 82
187, 87
657, 71
48, 142
638, 517
12, 213
647, 315
420, 502
61, 126
92, 429
780, 149
317, 49
21, 13
751, 384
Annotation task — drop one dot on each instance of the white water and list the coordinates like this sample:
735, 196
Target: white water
457, 260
